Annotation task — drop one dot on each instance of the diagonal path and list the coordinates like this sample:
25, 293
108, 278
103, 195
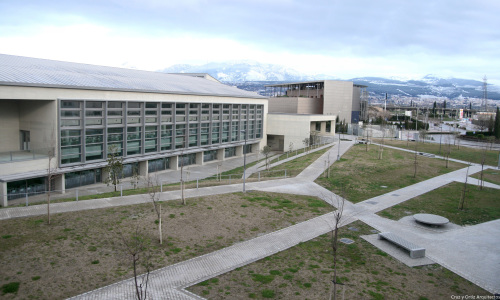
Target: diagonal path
448, 249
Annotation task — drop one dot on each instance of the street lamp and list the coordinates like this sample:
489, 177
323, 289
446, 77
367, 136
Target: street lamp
244, 160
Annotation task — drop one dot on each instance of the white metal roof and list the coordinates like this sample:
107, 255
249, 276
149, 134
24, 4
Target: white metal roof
27, 71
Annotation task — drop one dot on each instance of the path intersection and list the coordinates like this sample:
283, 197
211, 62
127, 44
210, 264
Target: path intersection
472, 252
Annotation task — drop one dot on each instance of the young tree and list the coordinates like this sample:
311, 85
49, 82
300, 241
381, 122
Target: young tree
496, 127
306, 142
136, 178
415, 163
153, 185
339, 203
137, 249
51, 169
266, 151
50, 177
483, 160
290, 147
461, 203
114, 167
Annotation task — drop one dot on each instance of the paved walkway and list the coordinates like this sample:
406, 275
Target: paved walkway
472, 252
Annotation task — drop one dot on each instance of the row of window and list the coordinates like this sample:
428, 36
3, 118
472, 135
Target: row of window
95, 140
74, 113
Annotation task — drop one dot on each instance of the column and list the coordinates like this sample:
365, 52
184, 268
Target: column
3, 194
60, 183
239, 151
174, 163
143, 168
220, 154
199, 158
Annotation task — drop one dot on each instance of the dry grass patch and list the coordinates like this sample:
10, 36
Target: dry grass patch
305, 272
83, 250
365, 176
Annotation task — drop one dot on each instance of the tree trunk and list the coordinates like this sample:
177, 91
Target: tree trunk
159, 227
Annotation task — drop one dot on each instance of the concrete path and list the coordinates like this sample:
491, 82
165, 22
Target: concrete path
472, 252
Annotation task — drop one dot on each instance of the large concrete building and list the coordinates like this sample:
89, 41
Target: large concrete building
77, 113
309, 110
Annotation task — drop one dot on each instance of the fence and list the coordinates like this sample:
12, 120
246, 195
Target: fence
137, 187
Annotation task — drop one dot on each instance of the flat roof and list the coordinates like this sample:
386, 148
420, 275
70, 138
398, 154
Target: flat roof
36, 72
309, 82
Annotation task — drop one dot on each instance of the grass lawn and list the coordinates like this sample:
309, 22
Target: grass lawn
489, 175
480, 205
81, 251
294, 167
462, 153
293, 153
365, 176
306, 271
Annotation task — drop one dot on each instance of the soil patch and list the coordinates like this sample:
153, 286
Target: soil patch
84, 250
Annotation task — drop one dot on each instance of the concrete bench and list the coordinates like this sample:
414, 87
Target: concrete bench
415, 251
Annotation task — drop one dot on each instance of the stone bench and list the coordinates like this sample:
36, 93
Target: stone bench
415, 251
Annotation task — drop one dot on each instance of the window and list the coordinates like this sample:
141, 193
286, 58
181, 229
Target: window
229, 152
166, 137
215, 133
193, 135
225, 132
134, 145
71, 146
209, 155
115, 140
328, 126
94, 144
234, 130
186, 160
151, 139
205, 127
318, 126
160, 164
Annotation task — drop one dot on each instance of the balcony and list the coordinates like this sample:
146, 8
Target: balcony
23, 155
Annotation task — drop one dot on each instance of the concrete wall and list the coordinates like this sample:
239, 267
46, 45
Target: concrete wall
295, 128
338, 99
9, 126
296, 105
40, 119
283, 105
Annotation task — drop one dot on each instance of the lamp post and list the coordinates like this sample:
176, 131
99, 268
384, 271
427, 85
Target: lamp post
244, 160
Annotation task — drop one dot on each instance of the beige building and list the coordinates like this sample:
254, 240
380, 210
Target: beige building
77, 113
325, 97
287, 131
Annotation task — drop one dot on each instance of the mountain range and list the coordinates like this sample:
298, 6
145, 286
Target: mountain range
251, 75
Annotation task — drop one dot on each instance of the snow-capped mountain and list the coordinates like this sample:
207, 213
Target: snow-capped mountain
243, 71
428, 85
252, 76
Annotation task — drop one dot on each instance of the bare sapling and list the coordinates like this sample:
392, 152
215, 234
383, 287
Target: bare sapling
137, 250
154, 194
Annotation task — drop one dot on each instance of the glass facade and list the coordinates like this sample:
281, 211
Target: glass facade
89, 128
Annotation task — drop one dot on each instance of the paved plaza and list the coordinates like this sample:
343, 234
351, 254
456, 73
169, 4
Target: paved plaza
473, 252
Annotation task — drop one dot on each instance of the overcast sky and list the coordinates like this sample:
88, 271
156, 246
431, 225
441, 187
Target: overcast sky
345, 39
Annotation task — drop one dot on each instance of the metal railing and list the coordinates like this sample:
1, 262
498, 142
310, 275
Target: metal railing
20, 155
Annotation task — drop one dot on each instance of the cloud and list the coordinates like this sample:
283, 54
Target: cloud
334, 37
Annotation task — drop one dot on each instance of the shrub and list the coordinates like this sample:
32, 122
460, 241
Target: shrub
35, 278
10, 288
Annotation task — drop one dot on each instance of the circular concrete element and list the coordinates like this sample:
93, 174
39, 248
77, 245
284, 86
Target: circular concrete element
431, 219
